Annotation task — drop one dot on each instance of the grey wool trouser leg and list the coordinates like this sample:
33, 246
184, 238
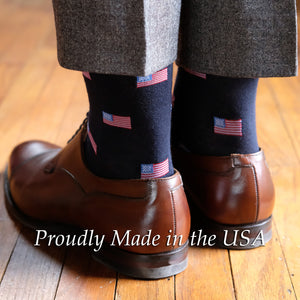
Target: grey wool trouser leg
234, 38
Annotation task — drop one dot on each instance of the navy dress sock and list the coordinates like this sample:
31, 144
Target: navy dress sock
129, 125
214, 115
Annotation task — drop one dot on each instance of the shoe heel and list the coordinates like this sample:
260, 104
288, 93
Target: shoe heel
239, 237
144, 266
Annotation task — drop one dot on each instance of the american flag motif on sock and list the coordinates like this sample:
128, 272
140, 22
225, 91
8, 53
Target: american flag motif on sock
93, 143
87, 75
228, 127
154, 170
117, 121
155, 78
198, 74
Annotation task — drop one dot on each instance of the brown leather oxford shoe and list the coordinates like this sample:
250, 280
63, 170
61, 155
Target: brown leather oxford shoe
231, 198
50, 190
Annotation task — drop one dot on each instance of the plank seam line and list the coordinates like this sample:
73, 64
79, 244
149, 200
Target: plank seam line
116, 286
69, 106
11, 253
60, 273
23, 65
174, 276
39, 94
232, 277
275, 98
284, 258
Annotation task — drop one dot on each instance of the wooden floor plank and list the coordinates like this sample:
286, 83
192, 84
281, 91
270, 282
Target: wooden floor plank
8, 72
33, 272
84, 278
272, 134
9, 232
49, 109
288, 222
11, 22
7, 8
75, 113
21, 32
286, 96
127, 288
261, 273
21, 98
29, 39
208, 276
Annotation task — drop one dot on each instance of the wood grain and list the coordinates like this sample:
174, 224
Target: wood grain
287, 213
33, 272
286, 97
128, 288
261, 273
21, 98
9, 232
81, 274
208, 276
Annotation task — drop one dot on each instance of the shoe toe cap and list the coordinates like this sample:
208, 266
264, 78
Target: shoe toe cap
25, 152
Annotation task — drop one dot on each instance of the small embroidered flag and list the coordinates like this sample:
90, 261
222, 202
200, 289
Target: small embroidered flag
228, 127
87, 75
117, 121
154, 170
198, 74
155, 78
93, 143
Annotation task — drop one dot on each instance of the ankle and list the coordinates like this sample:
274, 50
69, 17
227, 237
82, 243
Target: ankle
214, 115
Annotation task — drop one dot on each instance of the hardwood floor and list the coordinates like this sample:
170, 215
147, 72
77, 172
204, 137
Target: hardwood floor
40, 100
